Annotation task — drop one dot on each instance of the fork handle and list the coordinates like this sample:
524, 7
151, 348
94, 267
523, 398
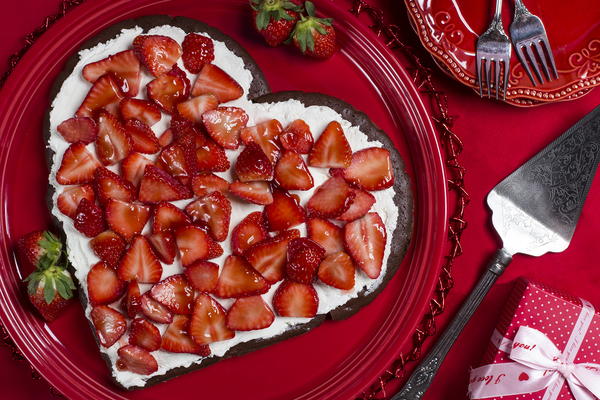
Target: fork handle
421, 378
498, 12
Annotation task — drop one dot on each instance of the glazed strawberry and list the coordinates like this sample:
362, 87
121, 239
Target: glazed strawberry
167, 217
103, 285
198, 50
157, 53
176, 338
78, 129
214, 249
297, 137
193, 108
89, 219
112, 144
169, 89
208, 322
69, 199
106, 93
365, 241
249, 231
274, 20
331, 199
164, 246
284, 212
143, 334
205, 183
141, 110
362, 203
337, 270
269, 256
213, 80
331, 149
266, 135
140, 263
193, 244
239, 279
77, 166
136, 359
123, 64
371, 169
132, 301
203, 275
326, 234
248, 314
314, 37
257, 192
303, 258
253, 165
166, 138
126, 219
293, 299
213, 211
291, 172
224, 125
133, 166
210, 156
155, 311
109, 323
173, 160
157, 185
109, 247
175, 293
143, 140
111, 186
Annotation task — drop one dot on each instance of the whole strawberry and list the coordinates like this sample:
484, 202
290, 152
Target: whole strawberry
313, 36
274, 19
41, 248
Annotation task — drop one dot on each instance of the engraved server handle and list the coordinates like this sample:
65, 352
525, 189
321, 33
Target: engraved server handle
421, 378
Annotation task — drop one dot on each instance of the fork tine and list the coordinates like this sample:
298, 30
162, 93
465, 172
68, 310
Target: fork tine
497, 74
488, 67
542, 56
505, 83
478, 65
550, 56
534, 63
525, 64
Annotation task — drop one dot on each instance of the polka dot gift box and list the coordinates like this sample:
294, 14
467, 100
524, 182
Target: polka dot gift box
546, 346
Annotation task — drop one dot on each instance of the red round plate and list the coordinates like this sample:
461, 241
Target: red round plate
449, 30
335, 361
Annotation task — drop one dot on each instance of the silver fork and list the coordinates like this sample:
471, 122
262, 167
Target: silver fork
493, 47
527, 31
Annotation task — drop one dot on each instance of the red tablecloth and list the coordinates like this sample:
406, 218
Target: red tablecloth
497, 139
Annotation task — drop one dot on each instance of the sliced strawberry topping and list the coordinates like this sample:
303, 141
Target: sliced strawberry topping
110, 324
175, 293
257, 192
78, 129
239, 279
140, 263
303, 258
210, 156
193, 244
136, 359
224, 125
253, 165
362, 203
157, 186
132, 301
214, 249
205, 183
155, 311
109, 247
198, 50
269, 256
331, 149
297, 137
173, 160
89, 219
143, 139
144, 334
176, 338
127, 219
142, 110
208, 323
371, 169
365, 241
249, 231
157, 53
112, 144
77, 166
167, 217
164, 246
203, 275
106, 93
193, 108
213, 211
291, 172
69, 199
133, 166
337, 270
213, 80
103, 284
326, 234
166, 138
249, 313
123, 64
111, 186
293, 299
169, 89
266, 135
331, 199
284, 212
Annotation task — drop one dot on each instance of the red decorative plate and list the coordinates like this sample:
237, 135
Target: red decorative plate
337, 360
449, 30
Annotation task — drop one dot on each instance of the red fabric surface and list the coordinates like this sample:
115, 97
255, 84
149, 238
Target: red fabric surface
497, 139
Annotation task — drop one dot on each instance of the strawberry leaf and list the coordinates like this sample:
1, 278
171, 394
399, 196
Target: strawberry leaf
49, 290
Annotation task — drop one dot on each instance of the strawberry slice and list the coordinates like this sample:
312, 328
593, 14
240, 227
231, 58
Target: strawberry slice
155, 311
103, 285
77, 166
136, 359
69, 199
123, 64
213, 211
142, 110
157, 186
175, 293
331, 149
291, 172
224, 125
328, 235
337, 270
157, 53
249, 231
193, 108
210, 156
173, 160
331, 199
371, 169
293, 299
133, 166
248, 314
110, 324
169, 89
176, 338
205, 183
78, 129
239, 279
365, 241
106, 93
284, 212
166, 138
112, 144
89, 219
269, 256
143, 139
266, 135
257, 192
297, 137
213, 80
303, 258
164, 246
193, 244
198, 50
140, 263
167, 217
111, 186
126, 219
144, 334
109, 247
208, 322
362, 203
203, 275
214, 249
132, 301
253, 165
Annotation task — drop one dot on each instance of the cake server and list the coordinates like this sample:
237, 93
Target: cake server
535, 211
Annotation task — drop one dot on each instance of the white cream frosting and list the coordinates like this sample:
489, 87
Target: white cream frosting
82, 257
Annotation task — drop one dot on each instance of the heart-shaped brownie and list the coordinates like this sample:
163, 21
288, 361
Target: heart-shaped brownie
204, 216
